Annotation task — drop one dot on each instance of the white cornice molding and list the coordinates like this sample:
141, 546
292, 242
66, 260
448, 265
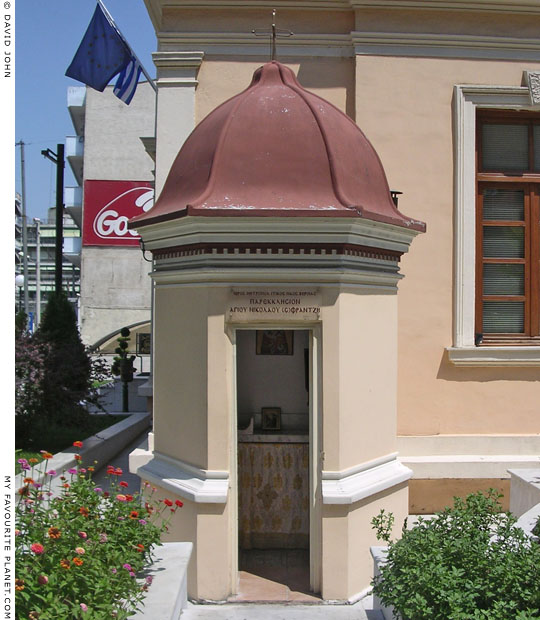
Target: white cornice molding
494, 356
367, 280
367, 479
177, 67
187, 481
467, 465
498, 6
360, 231
241, 43
445, 46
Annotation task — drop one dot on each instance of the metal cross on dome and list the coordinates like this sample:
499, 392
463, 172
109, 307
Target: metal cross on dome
274, 34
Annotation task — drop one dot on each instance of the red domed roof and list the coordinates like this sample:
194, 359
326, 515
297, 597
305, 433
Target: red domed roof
276, 150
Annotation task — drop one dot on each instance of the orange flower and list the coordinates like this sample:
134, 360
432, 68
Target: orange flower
32, 460
19, 584
54, 533
91, 468
65, 564
78, 444
84, 511
134, 514
78, 561
46, 455
66, 485
28, 481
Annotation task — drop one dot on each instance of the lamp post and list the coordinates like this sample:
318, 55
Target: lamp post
19, 282
37, 222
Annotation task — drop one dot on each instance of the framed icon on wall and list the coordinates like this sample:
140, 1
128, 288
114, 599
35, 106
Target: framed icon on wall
271, 418
275, 342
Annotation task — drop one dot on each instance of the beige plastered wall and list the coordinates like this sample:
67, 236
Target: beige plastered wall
404, 105
347, 567
359, 376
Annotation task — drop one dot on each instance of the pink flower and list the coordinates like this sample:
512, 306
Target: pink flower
43, 580
37, 548
80, 550
126, 566
51, 472
72, 470
121, 498
84, 607
82, 535
131, 573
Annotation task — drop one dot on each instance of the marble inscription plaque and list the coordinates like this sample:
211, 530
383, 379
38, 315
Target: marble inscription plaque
269, 305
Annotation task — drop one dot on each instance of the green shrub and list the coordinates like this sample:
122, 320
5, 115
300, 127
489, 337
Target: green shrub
468, 562
78, 555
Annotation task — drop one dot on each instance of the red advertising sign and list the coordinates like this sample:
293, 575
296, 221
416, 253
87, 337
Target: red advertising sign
109, 205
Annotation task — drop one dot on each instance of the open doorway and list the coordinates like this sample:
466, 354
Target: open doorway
273, 419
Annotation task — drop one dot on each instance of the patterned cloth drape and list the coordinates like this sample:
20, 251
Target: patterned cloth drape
273, 486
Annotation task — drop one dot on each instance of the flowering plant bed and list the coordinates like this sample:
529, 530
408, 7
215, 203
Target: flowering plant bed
78, 554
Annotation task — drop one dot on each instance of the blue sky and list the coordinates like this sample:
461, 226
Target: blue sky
47, 35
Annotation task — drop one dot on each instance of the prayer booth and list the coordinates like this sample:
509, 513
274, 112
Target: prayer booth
276, 247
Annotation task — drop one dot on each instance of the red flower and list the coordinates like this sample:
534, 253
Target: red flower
37, 548
77, 457
134, 514
78, 444
129, 498
123, 483
84, 511
106, 494
179, 503
167, 502
140, 547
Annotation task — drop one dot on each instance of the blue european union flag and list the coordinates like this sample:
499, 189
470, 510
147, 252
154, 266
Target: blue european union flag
101, 55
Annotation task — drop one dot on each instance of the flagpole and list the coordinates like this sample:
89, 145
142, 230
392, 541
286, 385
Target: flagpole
113, 24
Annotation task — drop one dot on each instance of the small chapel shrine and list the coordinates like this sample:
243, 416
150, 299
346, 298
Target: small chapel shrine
276, 245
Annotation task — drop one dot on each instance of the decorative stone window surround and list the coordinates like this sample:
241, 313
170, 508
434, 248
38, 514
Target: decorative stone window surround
467, 98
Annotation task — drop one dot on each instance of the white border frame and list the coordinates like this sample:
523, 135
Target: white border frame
467, 99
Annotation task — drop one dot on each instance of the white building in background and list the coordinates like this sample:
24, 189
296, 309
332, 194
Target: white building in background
41, 262
111, 155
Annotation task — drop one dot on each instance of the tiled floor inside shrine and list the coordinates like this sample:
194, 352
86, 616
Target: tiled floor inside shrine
273, 575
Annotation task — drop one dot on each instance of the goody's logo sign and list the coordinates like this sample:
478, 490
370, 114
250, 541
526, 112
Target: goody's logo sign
108, 207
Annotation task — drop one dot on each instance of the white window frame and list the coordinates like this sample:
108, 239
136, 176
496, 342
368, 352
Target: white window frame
467, 99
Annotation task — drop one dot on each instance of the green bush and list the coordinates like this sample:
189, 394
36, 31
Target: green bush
468, 562
79, 555
54, 374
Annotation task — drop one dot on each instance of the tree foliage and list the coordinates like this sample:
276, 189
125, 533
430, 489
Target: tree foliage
54, 372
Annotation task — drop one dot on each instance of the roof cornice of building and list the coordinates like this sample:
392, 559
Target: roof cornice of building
504, 6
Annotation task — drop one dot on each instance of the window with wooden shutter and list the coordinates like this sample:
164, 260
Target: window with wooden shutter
508, 229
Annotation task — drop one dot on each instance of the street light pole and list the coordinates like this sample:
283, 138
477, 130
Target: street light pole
24, 229
37, 222
58, 159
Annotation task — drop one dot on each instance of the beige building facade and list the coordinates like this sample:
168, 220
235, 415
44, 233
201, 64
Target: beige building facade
417, 388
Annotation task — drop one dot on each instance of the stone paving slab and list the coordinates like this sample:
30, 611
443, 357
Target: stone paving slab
276, 611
